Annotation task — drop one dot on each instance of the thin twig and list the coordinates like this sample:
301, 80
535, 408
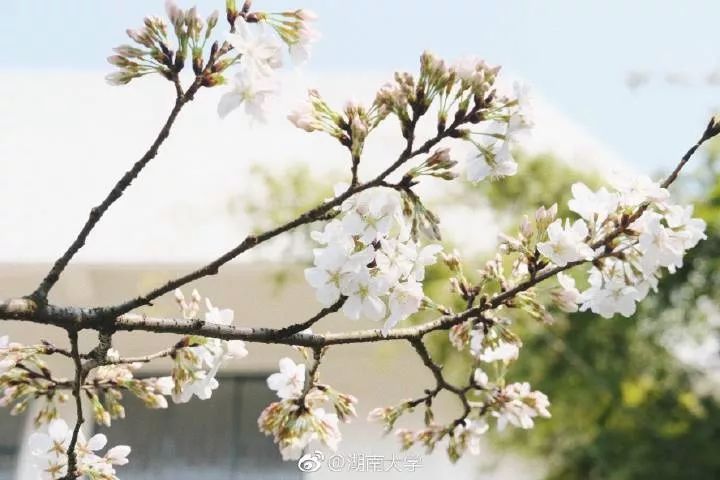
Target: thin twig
299, 327
77, 386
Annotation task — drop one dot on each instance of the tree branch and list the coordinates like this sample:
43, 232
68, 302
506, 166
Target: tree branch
309, 216
76, 391
96, 213
299, 327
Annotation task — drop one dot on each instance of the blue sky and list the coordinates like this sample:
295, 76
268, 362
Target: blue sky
576, 54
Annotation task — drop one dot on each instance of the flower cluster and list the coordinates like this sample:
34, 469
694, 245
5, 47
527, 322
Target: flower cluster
295, 28
299, 418
50, 452
259, 55
25, 378
154, 52
109, 382
350, 127
514, 404
369, 258
655, 235
198, 359
493, 157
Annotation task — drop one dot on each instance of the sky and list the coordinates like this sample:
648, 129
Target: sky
61, 120
576, 54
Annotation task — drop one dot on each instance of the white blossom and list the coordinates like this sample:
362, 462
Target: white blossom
635, 190
660, 246
480, 378
334, 268
118, 455
501, 164
6, 363
329, 431
50, 452
260, 54
303, 117
198, 365
568, 296
306, 36
608, 296
489, 348
592, 206
202, 387
525, 102
363, 293
519, 405
687, 229
217, 316
372, 215
289, 381
502, 352
334, 234
472, 430
420, 257
405, 299
566, 244
252, 91
394, 259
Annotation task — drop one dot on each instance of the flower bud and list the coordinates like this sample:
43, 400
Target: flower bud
525, 227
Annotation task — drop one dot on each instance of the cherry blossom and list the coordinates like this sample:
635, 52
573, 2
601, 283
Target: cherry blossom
259, 53
482, 165
303, 117
490, 348
502, 352
363, 293
471, 432
519, 405
289, 381
634, 190
306, 36
480, 378
250, 90
334, 268
567, 297
592, 206
608, 296
49, 450
566, 244
405, 299
371, 216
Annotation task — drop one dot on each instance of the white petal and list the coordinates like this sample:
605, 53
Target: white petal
58, 430
39, 443
118, 455
97, 442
